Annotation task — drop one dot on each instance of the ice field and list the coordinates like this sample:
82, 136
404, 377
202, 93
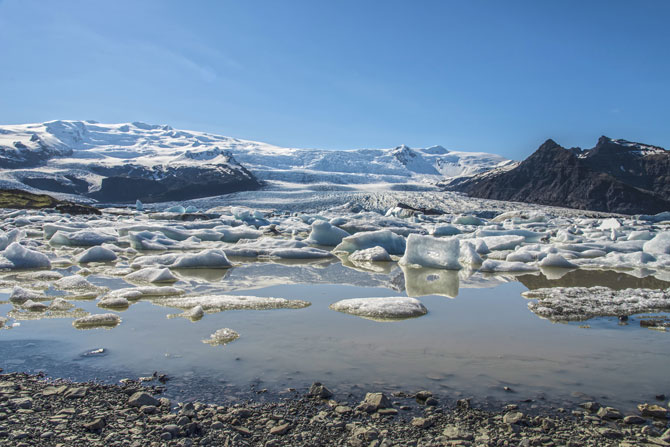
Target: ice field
393, 289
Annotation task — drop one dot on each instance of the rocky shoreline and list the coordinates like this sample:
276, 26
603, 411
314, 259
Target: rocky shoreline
38, 411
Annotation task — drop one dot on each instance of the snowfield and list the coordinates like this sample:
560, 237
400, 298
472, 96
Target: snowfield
81, 154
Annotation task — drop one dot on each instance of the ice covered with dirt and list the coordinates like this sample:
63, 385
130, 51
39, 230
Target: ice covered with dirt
222, 337
384, 308
97, 321
220, 303
582, 303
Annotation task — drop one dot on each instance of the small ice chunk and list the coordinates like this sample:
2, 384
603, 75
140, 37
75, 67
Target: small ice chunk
660, 244
468, 220
503, 266
196, 313
556, 260
20, 295
521, 256
432, 252
175, 209
505, 242
374, 254
97, 254
393, 243
610, 224
386, 308
138, 205
468, 254
212, 258
60, 304
25, 258
152, 275
34, 306
222, 337
75, 282
643, 235
235, 234
112, 302
323, 233
445, 230
81, 238
97, 320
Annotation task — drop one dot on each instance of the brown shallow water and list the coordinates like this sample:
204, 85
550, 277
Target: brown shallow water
473, 345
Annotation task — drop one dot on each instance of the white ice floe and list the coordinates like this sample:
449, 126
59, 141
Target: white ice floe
136, 293
557, 261
20, 257
11, 236
610, 224
660, 244
385, 308
97, 320
212, 258
97, 254
468, 254
492, 266
82, 238
151, 241
218, 303
222, 337
503, 242
234, 234
323, 233
432, 252
393, 243
445, 230
582, 303
152, 275
374, 254
275, 248
468, 220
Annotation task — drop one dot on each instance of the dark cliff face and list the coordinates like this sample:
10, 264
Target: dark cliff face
615, 176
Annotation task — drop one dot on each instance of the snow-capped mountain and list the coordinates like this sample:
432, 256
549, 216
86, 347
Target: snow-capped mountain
121, 162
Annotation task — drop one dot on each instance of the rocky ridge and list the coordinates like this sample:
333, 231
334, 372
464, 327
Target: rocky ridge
616, 176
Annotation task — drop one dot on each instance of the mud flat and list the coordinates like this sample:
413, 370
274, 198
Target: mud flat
39, 411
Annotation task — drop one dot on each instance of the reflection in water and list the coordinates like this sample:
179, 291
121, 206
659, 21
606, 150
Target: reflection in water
591, 278
555, 273
425, 281
208, 275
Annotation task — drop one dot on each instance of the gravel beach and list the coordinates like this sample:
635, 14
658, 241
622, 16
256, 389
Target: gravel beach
38, 411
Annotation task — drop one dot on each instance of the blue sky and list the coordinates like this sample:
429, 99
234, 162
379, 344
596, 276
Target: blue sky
493, 76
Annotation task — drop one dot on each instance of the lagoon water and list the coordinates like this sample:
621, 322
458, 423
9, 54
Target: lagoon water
477, 338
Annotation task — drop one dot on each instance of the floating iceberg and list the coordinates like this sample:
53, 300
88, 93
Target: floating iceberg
323, 233
387, 308
374, 254
276, 248
82, 238
20, 295
432, 252
20, 257
557, 261
212, 258
393, 243
660, 244
97, 254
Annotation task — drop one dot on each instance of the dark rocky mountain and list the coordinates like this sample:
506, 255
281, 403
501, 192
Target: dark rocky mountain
616, 176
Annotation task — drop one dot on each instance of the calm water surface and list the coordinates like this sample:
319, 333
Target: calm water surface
471, 343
